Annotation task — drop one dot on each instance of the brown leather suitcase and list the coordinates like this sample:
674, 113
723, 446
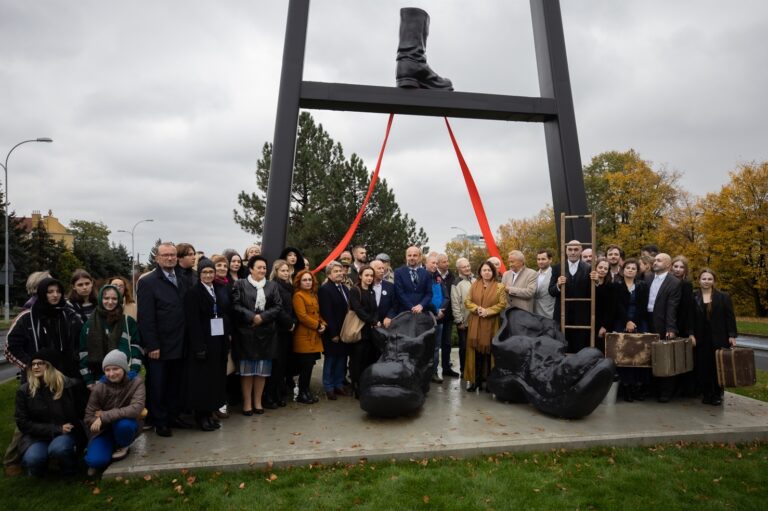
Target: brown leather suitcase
672, 357
735, 367
630, 350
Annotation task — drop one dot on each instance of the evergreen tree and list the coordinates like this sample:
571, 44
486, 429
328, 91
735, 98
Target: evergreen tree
151, 260
326, 194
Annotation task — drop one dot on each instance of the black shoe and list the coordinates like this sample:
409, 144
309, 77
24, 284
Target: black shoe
716, 401
270, 405
471, 387
163, 431
258, 411
627, 391
180, 423
450, 372
205, 425
305, 398
282, 403
248, 413
331, 395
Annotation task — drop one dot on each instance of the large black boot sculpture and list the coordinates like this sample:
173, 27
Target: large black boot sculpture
531, 366
398, 382
413, 72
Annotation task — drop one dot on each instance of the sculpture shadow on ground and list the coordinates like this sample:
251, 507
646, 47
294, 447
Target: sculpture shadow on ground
531, 365
398, 382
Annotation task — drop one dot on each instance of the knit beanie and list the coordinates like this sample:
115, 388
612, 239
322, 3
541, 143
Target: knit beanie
115, 358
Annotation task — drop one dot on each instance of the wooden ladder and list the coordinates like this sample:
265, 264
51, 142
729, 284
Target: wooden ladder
564, 267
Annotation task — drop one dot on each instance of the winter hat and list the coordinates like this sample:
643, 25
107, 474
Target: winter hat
49, 355
115, 358
204, 263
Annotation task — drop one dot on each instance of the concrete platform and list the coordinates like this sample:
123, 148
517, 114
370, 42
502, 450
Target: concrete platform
452, 423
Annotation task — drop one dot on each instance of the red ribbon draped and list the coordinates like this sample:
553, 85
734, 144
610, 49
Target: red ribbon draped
477, 204
352, 228
474, 195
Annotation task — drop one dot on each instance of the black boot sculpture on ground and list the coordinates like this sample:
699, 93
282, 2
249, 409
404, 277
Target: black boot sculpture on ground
531, 366
413, 72
398, 382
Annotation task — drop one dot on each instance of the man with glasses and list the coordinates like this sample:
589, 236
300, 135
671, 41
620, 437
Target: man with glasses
161, 324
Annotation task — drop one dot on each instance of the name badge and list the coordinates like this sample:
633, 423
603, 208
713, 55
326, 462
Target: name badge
217, 326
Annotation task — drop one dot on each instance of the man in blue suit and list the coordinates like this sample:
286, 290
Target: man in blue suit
413, 285
385, 294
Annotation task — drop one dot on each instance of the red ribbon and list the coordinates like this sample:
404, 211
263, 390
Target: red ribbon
477, 204
352, 228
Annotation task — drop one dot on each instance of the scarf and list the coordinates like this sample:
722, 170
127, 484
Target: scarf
484, 297
101, 340
261, 297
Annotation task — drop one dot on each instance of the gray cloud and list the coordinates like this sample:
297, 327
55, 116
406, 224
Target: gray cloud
160, 110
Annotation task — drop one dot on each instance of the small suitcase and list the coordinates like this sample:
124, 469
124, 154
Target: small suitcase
673, 357
630, 350
735, 367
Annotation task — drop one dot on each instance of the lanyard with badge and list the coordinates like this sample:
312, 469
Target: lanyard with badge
217, 323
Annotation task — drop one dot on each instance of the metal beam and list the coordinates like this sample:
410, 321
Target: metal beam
286, 125
565, 174
366, 98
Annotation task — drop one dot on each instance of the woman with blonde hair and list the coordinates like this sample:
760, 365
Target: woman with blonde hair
486, 299
281, 379
49, 407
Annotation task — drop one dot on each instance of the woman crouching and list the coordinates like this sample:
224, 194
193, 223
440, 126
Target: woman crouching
113, 413
48, 410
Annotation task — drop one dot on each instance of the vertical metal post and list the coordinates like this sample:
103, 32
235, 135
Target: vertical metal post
284, 142
565, 174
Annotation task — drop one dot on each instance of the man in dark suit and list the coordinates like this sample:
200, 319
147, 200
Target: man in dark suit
359, 259
444, 271
385, 293
160, 296
663, 302
333, 296
576, 281
413, 285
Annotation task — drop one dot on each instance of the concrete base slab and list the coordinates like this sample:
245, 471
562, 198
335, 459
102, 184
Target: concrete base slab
453, 422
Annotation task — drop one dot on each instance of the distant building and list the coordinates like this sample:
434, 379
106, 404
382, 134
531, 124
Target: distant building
52, 226
475, 240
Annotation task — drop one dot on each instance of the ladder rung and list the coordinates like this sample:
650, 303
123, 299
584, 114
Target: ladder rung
568, 217
578, 327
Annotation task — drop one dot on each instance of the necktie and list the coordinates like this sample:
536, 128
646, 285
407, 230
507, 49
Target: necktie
414, 277
341, 290
172, 278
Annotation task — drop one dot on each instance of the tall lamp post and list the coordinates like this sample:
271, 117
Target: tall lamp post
7, 308
133, 263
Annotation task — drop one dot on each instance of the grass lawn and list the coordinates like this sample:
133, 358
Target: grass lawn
664, 477
752, 326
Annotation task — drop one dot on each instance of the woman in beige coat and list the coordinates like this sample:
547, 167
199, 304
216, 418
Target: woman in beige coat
487, 298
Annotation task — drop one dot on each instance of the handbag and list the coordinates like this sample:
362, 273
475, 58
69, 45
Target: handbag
352, 328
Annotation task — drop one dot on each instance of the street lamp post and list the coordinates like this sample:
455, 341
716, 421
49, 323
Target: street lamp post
7, 308
133, 246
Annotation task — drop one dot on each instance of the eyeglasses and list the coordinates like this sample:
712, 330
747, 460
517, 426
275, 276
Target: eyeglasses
39, 364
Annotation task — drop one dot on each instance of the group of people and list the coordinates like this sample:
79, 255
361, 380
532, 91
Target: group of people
212, 333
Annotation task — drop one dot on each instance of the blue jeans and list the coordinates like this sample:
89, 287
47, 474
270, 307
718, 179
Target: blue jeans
117, 435
334, 370
62, 449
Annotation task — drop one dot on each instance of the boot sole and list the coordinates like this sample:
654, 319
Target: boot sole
412, 83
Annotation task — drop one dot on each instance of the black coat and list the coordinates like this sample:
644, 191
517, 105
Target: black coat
388, 302
363, 303
207, 354
722, 320
576, 313
448, 282
40, 418
605, 306
663, 318
685, 309
286, 318
161, 314
333, 308
623, 297
255, 342
31, 332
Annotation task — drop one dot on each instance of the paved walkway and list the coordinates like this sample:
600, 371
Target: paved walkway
452, 423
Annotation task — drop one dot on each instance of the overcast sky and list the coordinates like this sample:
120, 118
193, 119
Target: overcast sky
160, 109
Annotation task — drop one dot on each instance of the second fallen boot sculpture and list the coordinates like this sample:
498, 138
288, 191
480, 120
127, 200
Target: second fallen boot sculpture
413, 72
531, 366
398, 382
